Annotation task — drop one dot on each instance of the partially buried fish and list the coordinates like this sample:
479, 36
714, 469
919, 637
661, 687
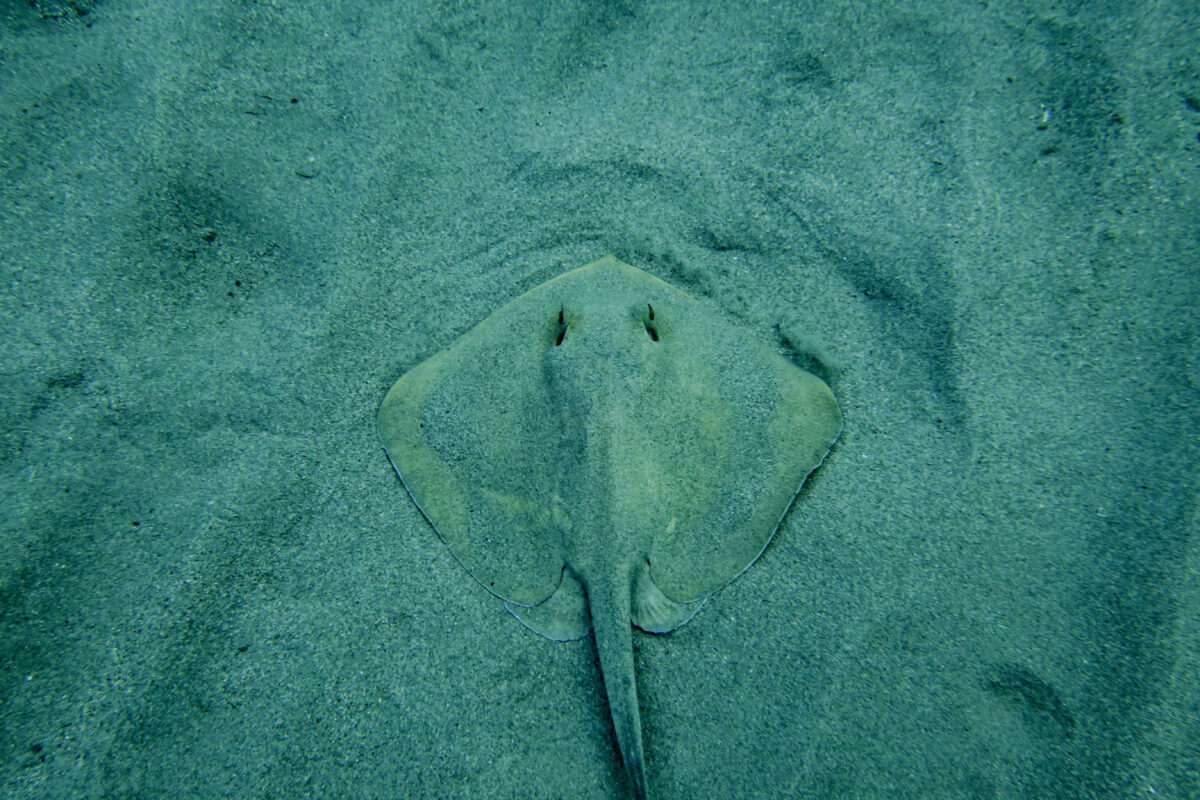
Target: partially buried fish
605, 450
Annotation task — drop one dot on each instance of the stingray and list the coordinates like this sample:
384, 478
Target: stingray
605, 450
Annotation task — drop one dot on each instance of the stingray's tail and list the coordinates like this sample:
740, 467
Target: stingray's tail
609, 603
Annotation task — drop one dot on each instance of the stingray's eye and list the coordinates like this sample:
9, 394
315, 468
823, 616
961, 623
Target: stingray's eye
651, 330
562, 329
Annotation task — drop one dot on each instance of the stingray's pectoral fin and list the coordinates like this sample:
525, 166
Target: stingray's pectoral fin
563, 616
653, 611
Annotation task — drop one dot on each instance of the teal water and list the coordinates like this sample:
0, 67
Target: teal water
226, 229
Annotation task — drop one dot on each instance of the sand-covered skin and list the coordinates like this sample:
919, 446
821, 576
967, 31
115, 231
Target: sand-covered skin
227, 228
